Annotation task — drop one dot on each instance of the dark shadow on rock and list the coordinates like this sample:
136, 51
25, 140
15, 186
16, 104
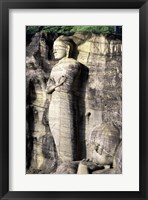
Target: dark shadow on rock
30, 94
29, 138
79, 110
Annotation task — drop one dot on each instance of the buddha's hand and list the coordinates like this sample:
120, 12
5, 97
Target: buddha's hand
61, 80
50, 86
50, 89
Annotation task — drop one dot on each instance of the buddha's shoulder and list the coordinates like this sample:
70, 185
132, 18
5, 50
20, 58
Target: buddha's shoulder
70, 61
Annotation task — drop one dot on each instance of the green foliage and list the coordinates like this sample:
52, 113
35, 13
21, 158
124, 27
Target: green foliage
32, 29
93, 29
57, 29
71, 29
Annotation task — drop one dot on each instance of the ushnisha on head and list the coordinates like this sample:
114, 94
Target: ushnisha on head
63, 47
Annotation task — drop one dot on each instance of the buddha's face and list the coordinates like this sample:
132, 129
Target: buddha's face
59, 50
100, 156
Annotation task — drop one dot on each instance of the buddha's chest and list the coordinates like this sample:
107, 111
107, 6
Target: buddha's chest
59, 71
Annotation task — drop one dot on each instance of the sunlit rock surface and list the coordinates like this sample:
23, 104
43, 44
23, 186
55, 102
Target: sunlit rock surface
117, 162
99, 99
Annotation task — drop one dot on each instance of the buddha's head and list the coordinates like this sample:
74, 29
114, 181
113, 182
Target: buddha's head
104, 140
62, 47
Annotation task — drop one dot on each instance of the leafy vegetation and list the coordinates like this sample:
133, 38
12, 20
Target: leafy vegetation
31, 30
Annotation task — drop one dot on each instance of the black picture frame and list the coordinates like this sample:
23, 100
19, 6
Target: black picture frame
5, 5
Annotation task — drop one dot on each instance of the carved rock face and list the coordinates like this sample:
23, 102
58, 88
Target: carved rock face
35, 102
84, 99
117, 163
82, 169
104, 140
37, 53
59, 50
61, 112
67, 168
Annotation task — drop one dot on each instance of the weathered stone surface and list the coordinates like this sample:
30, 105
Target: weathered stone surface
104, 171
104, 140
61, 114
92, 97
82, 169
67, 168
95, 46
117, 162
36, 98
38, 54
90, 166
